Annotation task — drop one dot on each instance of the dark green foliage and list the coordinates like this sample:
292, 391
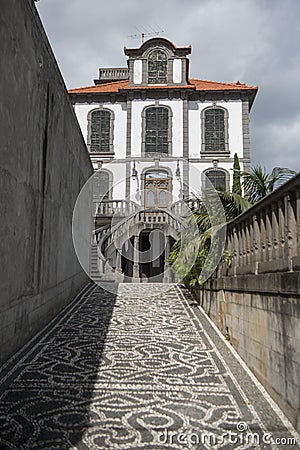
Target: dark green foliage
236, 185
258, 183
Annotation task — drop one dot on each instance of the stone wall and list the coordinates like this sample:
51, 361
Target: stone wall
256, 302
43, 165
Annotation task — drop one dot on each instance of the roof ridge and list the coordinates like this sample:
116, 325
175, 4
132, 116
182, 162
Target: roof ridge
100, 84
223, 82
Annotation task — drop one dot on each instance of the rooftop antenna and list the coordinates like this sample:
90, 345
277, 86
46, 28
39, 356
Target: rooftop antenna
146, 32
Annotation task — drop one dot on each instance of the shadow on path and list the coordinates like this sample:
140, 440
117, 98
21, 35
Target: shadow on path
45, 398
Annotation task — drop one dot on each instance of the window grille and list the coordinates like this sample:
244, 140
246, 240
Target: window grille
101, 187
157, 67
217, 179
100, 131
214, 130
157, 130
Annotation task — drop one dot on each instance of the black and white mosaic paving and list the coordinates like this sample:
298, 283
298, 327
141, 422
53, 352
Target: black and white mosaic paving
127, 372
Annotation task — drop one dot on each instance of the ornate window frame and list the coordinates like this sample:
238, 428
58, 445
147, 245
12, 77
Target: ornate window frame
111, 130
220, 169
156, 81
226, 132
170, 126
96, 196
155, 168
145, 61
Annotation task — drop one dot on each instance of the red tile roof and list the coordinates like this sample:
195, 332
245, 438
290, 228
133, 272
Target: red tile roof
194, 84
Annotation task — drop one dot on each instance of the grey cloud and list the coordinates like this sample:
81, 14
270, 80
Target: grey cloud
255, 41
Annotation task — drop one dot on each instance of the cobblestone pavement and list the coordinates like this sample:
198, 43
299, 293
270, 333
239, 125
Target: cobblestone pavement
120, 372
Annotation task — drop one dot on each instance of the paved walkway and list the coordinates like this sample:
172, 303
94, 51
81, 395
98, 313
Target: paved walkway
125, 372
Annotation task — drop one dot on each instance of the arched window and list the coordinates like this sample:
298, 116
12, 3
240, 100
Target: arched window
157, 130
157, 67
216, 177
214, 133
100, 130
102, 187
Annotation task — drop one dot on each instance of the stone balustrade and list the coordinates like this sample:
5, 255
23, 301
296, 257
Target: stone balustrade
113, 73
266, 238
109, 208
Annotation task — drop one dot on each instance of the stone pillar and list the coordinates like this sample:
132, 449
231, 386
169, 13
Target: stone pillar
236, 251
248, 242
275, 231
256, 243
269, 240
118, 260
298, 221
290, 247
281, 230
167, 275
262, 235
136, 271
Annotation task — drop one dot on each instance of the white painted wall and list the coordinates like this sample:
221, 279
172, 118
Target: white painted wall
136, 125
177, 125
120, 123
137, 71
177, 70
195, 168
235, 129
119, 178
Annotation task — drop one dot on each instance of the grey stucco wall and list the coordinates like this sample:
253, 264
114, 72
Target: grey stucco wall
43, 165
260, 314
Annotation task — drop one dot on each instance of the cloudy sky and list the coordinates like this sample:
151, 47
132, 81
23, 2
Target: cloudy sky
254, 41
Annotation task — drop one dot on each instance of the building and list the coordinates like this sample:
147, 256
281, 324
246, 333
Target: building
153, 132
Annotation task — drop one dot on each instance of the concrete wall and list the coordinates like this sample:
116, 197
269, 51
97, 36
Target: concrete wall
256, 302
264, 327
43, 165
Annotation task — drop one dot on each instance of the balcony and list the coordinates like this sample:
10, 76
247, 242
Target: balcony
107, 74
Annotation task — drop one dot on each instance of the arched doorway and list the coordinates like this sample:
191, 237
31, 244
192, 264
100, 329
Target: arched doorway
157, 189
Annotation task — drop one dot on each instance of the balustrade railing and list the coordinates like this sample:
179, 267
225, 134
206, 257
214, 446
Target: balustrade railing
109, 208
113, 73
266, 237
111, 238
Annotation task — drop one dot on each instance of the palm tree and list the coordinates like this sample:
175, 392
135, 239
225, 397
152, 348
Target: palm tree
258, 183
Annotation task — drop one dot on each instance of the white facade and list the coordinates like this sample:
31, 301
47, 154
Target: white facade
186, 102
153, 134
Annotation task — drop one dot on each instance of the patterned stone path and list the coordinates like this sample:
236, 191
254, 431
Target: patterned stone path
125, 372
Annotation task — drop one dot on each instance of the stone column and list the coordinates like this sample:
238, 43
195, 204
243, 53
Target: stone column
269, 239
167, 275
256, 243
281, 230
248, 243
236, 250
136, 271
118, 260
290, 248
275, 231
263, 236
298, 221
